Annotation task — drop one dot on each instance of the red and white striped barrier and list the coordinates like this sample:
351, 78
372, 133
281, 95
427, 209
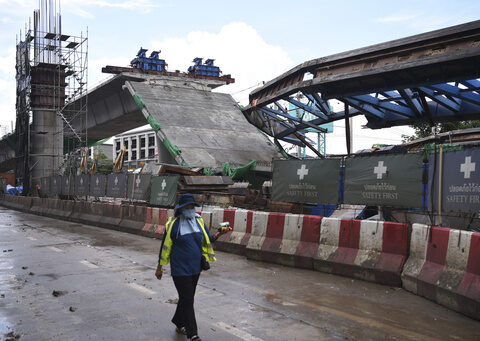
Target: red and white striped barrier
240, 221
299, 245
288, 239
155, 221
369, 250
266, 236
444, 266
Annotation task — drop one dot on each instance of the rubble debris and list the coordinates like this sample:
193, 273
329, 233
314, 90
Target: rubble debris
58, 293
205, 183
12, 336
72, 309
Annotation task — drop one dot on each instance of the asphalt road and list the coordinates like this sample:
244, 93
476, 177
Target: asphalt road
105, 289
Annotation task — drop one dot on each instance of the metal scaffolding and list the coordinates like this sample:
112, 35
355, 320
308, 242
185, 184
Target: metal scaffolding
51, 96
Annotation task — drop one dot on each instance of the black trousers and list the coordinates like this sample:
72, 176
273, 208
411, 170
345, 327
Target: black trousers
185, 314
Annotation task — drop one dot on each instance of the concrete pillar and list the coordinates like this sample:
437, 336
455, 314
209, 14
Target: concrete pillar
46, 144
46, 134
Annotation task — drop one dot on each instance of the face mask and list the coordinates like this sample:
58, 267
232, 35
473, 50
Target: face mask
189, 213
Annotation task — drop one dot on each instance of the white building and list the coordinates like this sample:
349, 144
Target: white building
4, 130
106, 148
141, 146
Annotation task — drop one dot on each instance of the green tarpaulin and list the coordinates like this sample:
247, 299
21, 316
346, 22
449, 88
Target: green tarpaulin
306, 181
172, 149
246, 173
139, 101
164, 191
384, 180
154, 123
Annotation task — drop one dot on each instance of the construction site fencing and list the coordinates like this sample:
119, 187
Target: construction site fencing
156, 190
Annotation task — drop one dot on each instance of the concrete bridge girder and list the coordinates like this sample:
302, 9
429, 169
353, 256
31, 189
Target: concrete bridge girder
208, 127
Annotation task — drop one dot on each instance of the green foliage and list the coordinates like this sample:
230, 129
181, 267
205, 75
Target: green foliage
425, 130
104, 165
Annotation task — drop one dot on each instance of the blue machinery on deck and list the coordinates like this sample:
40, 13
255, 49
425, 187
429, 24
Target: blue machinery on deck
426, 78
206, 69
153, 63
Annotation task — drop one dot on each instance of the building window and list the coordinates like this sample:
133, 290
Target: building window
151, 153
134, 142
118, 145
125, 143
151, 141
142, 141
134, 154
125, 157
142, 154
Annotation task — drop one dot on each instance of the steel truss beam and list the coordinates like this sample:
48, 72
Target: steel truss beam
427, 78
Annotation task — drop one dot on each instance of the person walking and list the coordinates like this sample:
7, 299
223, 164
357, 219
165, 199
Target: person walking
186, 241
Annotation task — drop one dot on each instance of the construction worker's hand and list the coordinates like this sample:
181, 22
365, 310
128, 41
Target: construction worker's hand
159, 272
225, 230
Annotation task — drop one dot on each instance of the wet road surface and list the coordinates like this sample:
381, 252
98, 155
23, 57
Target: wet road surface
105, 289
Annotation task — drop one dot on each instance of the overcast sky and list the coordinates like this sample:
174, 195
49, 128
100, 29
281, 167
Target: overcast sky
254, 41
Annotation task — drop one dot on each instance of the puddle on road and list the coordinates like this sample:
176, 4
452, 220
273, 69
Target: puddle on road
4, 326
52, 276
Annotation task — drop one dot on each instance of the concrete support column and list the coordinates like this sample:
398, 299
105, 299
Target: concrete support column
46, 133
46, 144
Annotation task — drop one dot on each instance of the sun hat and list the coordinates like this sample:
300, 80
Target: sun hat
185, 200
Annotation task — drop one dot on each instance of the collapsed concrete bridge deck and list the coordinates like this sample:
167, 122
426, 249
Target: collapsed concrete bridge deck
198, 127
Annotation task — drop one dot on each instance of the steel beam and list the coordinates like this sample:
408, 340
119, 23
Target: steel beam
433, 57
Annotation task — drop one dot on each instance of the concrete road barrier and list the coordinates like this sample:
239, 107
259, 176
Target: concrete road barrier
368, 250
149, 227
89, 213
65, 209
164, 215
300, 240
240, 221
37, 205
111, 214
444, 266
266, 236
133, 218
17, 202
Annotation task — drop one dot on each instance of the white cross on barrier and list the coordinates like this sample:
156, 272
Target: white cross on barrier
467, 167
380, 169
302, 171
164, 184
97, 181
138, 181
116, 181
81, 181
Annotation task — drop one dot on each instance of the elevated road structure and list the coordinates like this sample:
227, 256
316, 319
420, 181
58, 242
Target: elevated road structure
426, 78
196, 127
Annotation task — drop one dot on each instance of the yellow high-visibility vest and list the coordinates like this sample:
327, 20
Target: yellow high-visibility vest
207, 249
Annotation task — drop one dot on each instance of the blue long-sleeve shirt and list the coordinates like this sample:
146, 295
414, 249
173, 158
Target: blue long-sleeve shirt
185, 257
